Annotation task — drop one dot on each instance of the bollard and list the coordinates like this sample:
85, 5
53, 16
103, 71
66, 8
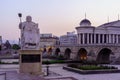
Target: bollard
47, 69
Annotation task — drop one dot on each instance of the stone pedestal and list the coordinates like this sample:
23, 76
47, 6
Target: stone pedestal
30, 61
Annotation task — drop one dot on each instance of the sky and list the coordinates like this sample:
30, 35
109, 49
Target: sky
55, 16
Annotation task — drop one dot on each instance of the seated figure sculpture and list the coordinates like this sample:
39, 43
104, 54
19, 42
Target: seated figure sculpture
30, 36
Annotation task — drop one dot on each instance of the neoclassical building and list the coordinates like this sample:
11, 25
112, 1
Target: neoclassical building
69, 39
108, 33
101, 43
105, 37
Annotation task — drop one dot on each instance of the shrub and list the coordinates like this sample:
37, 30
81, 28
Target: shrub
91, 67
53, 62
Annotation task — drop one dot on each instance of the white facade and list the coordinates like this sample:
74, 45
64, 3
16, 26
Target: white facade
46, 35
47, 40
69, 39
108, 33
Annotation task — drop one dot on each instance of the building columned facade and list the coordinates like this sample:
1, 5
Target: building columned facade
100, 43
108, 33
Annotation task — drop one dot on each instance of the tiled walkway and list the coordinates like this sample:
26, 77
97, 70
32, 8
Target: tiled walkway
14, 75
56, 73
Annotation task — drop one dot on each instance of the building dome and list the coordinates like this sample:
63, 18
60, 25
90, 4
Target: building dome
85, 22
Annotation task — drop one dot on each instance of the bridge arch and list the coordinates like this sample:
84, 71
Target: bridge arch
104, 55
82, 54
67, 53
50, 50
57, 51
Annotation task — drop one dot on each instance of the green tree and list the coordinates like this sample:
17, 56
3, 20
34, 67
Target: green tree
7, 44
15, 47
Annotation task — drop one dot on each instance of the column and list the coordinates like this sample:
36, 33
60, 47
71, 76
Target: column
91, 38
83, 38
106, 38
113, 38
103, 38
98, 38
117, 38
94, 38
79, 40
87, 38
109, 38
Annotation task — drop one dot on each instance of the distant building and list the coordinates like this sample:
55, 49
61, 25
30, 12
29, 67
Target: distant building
46, 35
69, 39
0, 42
48, 42
100, 43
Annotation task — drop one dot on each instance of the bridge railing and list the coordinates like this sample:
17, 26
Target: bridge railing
103, 44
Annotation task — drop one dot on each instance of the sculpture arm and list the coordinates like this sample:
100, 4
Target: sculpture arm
20, 25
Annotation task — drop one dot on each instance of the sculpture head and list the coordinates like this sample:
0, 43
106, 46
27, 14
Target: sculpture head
28, 18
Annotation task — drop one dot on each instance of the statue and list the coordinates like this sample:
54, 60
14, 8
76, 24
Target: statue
30, 36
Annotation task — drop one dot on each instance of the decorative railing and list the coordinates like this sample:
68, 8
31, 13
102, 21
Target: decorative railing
102, 44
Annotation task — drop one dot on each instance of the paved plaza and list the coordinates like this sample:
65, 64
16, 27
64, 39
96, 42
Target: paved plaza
56, 73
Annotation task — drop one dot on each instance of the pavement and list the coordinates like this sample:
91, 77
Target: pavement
55, 73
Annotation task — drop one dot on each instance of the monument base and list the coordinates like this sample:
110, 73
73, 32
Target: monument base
30, 62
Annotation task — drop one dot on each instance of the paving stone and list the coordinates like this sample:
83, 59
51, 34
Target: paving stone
14, 75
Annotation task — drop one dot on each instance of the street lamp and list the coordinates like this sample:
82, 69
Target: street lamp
20, 15
47, 67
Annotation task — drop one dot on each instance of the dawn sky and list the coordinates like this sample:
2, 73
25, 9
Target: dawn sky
55, 16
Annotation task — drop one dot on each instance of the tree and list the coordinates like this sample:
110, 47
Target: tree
7, 45
15, 47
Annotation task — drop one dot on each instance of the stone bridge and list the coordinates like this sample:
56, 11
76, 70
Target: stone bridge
101, 53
